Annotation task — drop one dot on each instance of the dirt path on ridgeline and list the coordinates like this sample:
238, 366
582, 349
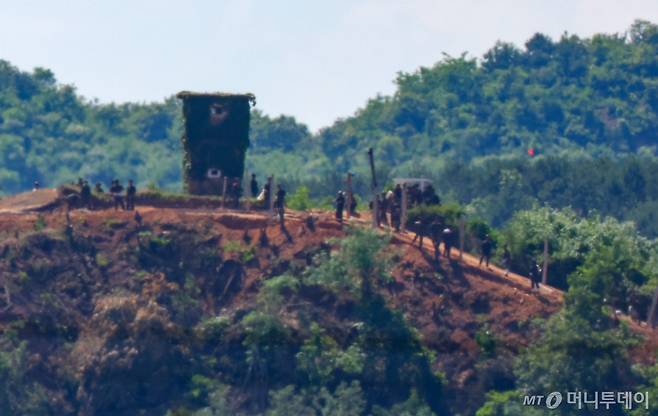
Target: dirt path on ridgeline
28, 201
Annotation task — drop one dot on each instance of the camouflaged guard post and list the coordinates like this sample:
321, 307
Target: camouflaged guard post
215, 140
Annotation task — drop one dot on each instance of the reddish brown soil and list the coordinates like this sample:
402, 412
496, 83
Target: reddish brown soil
448, 303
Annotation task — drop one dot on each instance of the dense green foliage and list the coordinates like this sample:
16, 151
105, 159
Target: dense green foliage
584, 346
381, 369
494, 189
18, 393
574, 241
50, 134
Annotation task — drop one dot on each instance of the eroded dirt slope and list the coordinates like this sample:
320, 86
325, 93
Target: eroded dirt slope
100, 301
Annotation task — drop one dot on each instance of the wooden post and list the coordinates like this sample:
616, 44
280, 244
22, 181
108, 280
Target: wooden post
651, 319
375, 202
270, 181
224, 191
247, 188
348, 200
403, 226
544, 272
462, 228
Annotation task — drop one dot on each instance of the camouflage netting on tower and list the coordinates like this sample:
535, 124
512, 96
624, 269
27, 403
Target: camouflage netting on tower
215, 139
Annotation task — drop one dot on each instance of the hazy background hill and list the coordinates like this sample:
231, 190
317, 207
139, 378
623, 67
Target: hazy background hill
588, 107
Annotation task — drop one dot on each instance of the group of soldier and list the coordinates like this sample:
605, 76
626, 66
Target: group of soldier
439, 233
120, 199
535, 270
264, 195
389, 206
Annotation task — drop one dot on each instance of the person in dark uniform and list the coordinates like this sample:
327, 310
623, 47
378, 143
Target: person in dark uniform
397, 193
485, 250
280, 202
436, 234
448, 240
415, 195
421, 227
99, 188
340, 205
396, 213
253, 184
353, 204
85, 195
131, 191
535, 275
507, 260
116, 190
236, 192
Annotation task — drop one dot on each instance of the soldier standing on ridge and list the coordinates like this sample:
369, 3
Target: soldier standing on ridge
340, 205
85, 195
236, 192
421, 228
116, 189
396, 212
435, 234
254, 186
353, 204
280, 202
131, 191
397, 193
485, 249
415, 195
535, 275
99, 188
448, 237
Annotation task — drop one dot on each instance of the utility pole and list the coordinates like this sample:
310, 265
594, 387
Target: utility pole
270, 182
544, 272
375, 203
462, 227
224, 191
348, 200
405, 197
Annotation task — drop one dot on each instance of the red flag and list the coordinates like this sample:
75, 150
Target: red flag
531, 151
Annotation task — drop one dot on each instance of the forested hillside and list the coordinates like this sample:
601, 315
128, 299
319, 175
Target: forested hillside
587, 107
190, 312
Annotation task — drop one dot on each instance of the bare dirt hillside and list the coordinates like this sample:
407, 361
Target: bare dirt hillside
99, 301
